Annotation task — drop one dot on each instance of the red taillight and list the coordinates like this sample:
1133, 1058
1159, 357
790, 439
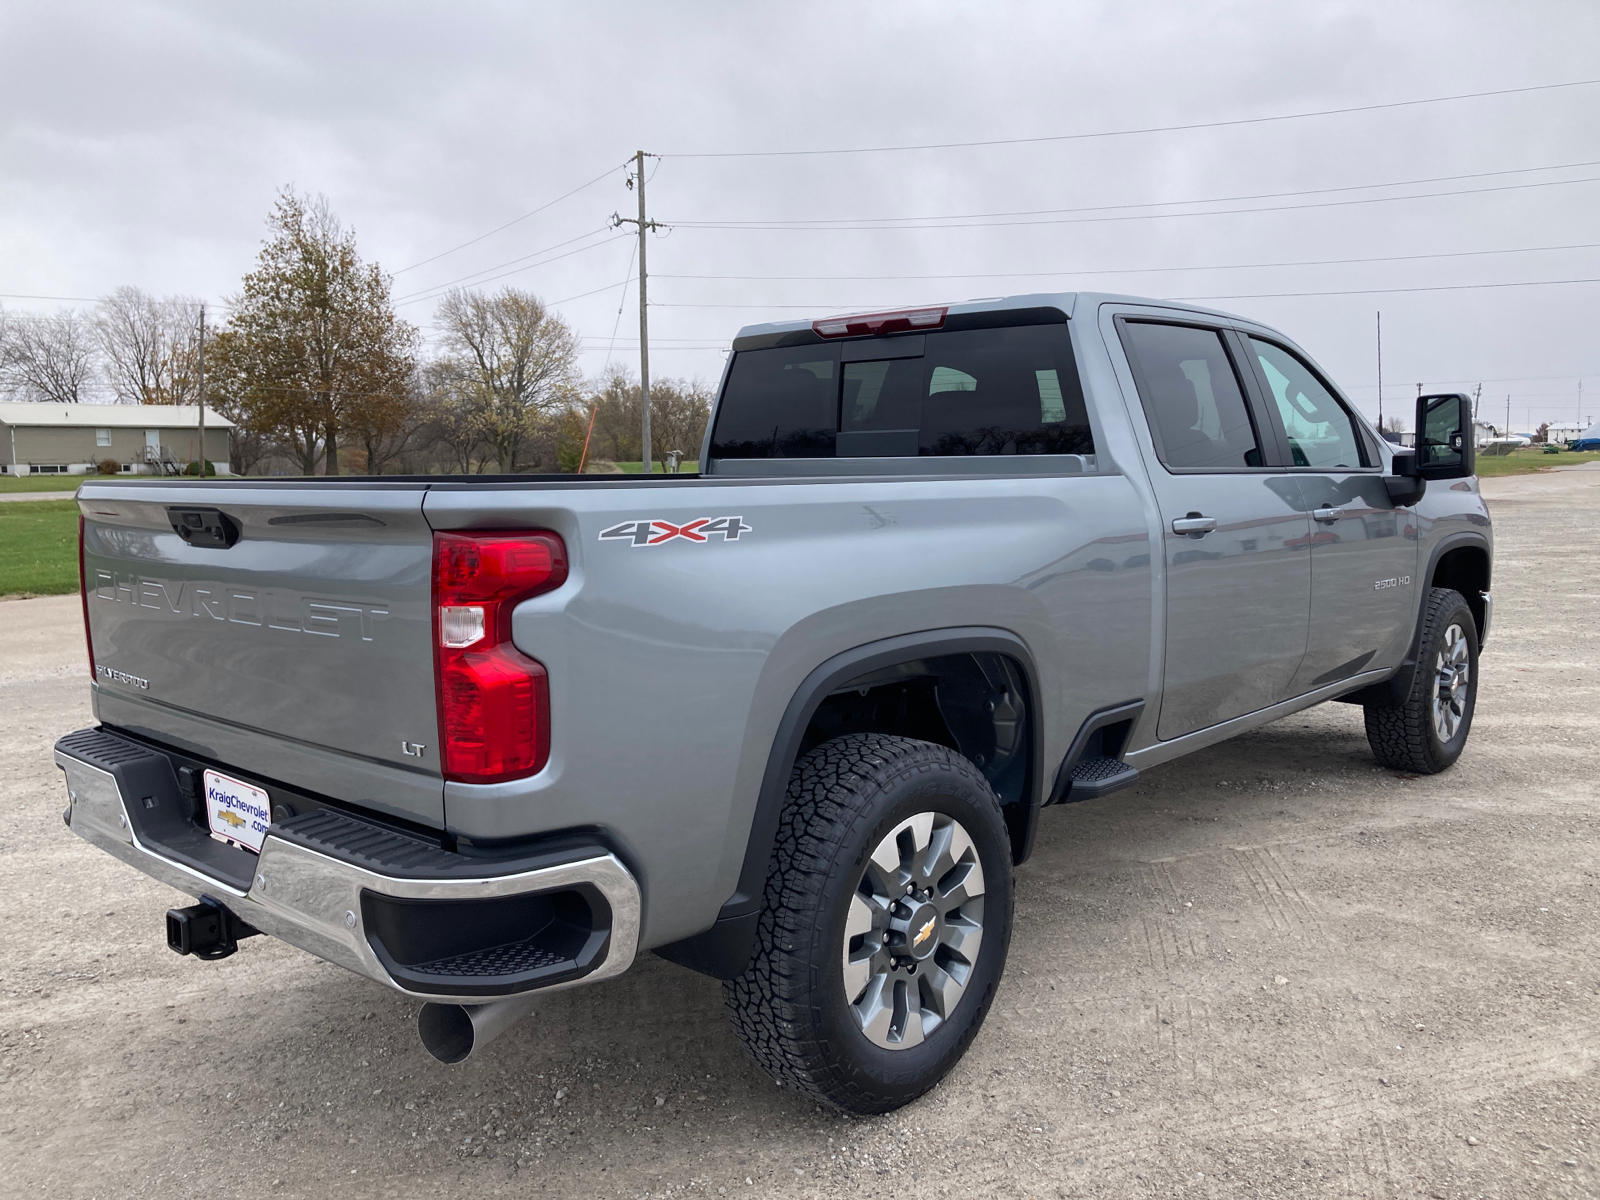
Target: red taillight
875, 323
494, 702
83, 591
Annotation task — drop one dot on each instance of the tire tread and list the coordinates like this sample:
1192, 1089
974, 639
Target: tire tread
773, 1005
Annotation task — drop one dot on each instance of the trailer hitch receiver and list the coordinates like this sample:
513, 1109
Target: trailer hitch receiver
206, 930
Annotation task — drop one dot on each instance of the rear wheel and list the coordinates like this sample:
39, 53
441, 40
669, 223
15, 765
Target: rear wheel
1427, 732
885, 927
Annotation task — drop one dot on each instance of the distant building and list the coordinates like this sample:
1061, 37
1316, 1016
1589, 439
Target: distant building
143, 439
1559, 433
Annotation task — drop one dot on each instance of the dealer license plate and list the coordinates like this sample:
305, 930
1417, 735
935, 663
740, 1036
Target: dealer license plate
236, 811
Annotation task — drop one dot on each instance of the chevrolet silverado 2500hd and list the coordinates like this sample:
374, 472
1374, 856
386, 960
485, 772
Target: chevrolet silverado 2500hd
791, 721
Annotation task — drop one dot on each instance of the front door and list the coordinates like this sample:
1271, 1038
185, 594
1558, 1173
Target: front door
1364, 549
1236, 536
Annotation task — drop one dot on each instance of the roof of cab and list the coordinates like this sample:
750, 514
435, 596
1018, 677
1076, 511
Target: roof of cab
1068, 302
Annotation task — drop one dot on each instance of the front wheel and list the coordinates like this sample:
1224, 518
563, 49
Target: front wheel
1427, 732
886, 922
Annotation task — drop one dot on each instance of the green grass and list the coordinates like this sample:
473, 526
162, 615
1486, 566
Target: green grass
38, 548
44, 483
687, 466
1528, 460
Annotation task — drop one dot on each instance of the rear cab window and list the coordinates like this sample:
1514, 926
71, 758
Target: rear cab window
962, 393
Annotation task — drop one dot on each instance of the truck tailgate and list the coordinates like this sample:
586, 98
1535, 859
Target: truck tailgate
300, 614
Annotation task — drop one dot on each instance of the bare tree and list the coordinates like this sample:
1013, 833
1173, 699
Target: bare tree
51, 358
513, 364
150, 346
394, 429
679, 410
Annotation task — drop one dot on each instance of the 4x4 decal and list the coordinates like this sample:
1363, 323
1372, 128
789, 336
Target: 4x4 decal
654, 533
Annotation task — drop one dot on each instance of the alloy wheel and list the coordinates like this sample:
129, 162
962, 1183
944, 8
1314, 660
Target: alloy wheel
914, 930
1452, 676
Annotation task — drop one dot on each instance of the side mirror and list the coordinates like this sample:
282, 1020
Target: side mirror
1445, 447
1405, 486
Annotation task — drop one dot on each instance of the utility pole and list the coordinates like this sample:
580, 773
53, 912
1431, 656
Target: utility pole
1380, 373
202, 374
1476, 392
1507, 429
645, 225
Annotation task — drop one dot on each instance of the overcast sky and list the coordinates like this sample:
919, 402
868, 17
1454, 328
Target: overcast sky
142, 143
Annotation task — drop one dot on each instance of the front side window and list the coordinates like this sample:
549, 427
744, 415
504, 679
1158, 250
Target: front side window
970, 392
1322, 434
1192, 397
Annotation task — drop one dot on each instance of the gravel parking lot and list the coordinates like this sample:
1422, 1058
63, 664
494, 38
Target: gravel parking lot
1271, 969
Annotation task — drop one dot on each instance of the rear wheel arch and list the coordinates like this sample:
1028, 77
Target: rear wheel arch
723, 951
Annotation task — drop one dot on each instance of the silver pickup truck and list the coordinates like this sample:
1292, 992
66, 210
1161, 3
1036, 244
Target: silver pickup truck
791, 721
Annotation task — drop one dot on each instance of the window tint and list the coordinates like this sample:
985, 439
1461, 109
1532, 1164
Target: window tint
971, 392
780, 404
1321, 433
1192, 397
1003, 391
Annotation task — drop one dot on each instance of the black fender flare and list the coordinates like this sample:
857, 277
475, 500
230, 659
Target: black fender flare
723, 951
1394, 690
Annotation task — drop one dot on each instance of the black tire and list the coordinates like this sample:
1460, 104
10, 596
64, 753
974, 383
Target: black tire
1407, 737
790, 1006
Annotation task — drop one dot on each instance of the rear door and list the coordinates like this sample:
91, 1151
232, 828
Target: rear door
1364, 549
1238, 579
286, 634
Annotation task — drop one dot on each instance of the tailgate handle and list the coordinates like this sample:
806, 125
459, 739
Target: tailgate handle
210, 528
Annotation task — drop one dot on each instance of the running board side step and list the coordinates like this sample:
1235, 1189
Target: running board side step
1093, 766
1098, 776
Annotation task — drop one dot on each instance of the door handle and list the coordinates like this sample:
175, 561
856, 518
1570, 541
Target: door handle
1194, 524
1327, 514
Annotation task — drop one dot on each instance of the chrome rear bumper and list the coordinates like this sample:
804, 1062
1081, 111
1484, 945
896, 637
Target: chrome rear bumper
314, 900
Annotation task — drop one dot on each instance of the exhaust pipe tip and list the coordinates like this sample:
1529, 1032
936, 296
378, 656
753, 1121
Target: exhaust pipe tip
453, 1033
446, 1032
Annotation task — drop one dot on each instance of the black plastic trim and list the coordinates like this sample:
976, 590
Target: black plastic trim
1392, 692
1101, 718
450, 947
171, 821
723, 951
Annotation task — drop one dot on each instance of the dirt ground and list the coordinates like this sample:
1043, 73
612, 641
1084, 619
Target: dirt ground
1272, 969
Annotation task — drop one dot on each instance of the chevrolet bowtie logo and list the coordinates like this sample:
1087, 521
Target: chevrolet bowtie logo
236, 821
922, 934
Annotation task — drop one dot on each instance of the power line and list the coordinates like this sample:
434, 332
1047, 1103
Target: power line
513, 221
509, 262
934, 223
824, 222
1148, 129
438, 290
1449, 287
1458, 287
1312, 262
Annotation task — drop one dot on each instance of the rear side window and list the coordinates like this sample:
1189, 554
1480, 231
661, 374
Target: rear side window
1192, 397
970, 392
786, 404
